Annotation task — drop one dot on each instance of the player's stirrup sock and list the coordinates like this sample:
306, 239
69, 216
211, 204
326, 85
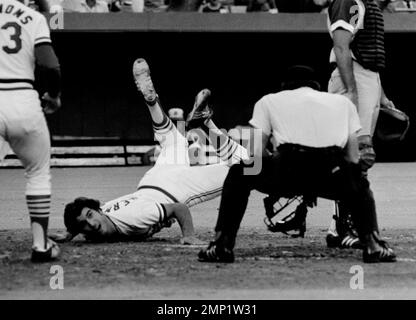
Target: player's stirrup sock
39, 208
164, 126
227, 149
151, 103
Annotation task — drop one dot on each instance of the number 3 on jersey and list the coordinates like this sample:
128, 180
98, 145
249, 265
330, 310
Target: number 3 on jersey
16, 30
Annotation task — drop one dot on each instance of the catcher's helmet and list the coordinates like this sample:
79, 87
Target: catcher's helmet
295, 221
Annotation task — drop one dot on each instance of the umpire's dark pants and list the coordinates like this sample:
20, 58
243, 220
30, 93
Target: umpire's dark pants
297, 170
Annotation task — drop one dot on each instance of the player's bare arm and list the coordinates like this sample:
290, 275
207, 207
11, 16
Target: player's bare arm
61, 237
351, 149
342, 39
182, 213
49, 67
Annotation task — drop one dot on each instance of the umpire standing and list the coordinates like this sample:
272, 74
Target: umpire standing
357, 59
317, 156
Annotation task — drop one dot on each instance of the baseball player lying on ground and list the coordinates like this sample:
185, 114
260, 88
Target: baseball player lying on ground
166, 191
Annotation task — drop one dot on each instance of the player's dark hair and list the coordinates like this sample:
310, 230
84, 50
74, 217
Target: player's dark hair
73, 211
299, 76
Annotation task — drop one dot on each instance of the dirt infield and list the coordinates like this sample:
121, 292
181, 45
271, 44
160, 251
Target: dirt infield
268, 266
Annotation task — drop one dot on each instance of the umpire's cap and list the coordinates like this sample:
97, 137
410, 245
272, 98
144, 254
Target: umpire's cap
298, 76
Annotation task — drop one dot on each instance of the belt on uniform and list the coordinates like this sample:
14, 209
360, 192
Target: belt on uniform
160, 190
16, 84
312, 150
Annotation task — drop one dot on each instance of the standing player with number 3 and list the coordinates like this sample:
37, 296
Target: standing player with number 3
25, 43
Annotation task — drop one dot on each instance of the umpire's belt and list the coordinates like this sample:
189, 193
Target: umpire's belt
291, 147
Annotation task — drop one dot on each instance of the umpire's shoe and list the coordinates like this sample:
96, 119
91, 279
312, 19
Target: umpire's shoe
201, 111
385, 254
216, 253
51, 254
141, 73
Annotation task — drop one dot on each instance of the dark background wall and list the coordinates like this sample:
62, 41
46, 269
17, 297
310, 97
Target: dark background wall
100, 99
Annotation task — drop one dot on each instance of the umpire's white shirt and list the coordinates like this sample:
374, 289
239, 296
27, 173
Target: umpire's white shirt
306, 117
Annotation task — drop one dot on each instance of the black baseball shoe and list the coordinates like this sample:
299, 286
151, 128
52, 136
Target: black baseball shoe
347, 241
141, 73
51, 254
216, 253
341, 233
201, 111
386, 254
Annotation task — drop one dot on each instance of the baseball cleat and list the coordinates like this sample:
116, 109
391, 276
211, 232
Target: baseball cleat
386, 254
141, 73
216, 253
349, 241
51, 254
201, 111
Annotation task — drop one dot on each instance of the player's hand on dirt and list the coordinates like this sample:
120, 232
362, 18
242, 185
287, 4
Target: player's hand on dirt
50, 104
61, 237
192, 240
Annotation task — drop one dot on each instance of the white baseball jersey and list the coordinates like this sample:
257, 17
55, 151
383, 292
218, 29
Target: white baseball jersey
135, 214
306, 117
21, 29
142, 213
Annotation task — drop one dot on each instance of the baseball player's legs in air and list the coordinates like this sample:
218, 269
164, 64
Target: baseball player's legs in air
168, 189
198, 183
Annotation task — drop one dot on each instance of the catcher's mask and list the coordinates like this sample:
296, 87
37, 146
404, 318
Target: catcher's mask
392, 124
294, 221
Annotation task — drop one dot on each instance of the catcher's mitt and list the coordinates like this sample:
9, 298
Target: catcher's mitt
392, 124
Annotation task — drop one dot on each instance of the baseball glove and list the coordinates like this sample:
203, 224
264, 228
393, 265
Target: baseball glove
392, 124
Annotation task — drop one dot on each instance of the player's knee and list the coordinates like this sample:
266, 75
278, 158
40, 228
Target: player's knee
38, 181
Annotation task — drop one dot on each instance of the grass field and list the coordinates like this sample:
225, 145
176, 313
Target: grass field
268, 266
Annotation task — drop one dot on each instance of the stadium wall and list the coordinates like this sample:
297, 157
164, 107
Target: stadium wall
240, 57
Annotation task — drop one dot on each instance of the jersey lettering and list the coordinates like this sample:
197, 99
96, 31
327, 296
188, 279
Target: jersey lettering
18, 13
120, 204
26, 20
14, 37
9, 9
